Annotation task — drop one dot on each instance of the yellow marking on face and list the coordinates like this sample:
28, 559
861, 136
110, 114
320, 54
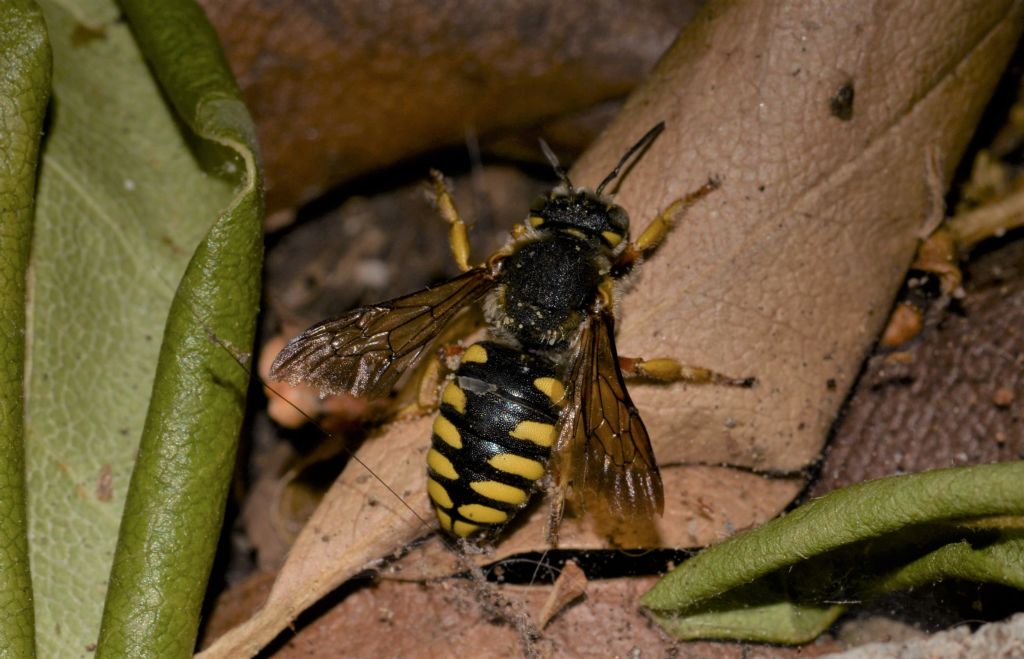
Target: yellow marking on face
448, 433
500, 492
611, 237
444, 518
518, 465
438, 494
476, 354
483, 514
536, 221
541, 434
441, 465
463, 530
576, 233
454, 396
551, 388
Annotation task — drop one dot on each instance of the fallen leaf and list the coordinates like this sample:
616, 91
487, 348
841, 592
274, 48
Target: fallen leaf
936, 405
788, 580
446, 619
25, 89
146, 243
570, 585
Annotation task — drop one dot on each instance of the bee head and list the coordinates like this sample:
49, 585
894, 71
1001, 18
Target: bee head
582, 213
586, 214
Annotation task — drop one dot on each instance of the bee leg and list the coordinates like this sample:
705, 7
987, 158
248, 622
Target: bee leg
431, 375
555, 518
666, 220
458, 234
670, 370
661, 225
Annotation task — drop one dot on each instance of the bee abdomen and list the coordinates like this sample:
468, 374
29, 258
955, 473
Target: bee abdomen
492, 438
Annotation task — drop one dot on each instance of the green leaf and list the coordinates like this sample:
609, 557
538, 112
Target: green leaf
24, 92
760, 612
998, 559
148, 193
787, 581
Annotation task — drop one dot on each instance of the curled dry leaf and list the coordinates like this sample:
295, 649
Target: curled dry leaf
786, 273
570, 585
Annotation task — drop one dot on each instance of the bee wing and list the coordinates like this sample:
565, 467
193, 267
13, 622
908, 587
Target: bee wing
604, 451
366, 350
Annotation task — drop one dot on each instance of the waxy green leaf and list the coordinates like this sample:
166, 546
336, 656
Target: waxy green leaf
788, 580
143, 278
24, 92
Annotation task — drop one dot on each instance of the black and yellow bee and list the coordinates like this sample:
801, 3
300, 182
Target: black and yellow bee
546, 383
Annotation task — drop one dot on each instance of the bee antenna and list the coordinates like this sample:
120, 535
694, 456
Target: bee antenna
553, 159
643, 143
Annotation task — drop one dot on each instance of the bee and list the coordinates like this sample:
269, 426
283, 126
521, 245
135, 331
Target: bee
545, 386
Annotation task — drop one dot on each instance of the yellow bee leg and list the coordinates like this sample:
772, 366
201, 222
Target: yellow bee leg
458, 235
666, 220
430, 375
670, 370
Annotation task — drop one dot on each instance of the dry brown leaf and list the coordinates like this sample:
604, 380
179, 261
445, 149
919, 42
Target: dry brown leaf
267, 530
447, 619
236, 605
570, 585
339, 88
703, 505
905, 323
952, 398
358, 523
787, 273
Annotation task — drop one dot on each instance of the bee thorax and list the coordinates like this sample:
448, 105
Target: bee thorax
547, 287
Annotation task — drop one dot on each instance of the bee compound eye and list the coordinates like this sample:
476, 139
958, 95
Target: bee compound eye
618, 219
